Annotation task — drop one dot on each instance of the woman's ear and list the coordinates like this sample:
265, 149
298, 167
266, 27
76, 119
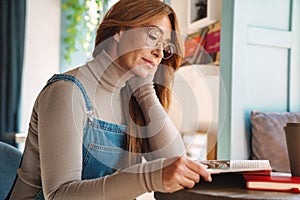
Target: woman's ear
118, 35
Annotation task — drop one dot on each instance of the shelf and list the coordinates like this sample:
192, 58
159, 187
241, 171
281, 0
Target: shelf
213, 14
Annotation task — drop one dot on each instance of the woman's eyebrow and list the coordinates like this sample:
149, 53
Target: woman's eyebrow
154, 26
160, 30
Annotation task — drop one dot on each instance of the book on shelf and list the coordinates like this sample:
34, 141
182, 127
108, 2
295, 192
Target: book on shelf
194, 44
191, 43
212, 44
261, 167
277, 183
203, 46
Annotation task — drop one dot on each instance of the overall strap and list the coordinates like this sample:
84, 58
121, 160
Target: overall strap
57, 77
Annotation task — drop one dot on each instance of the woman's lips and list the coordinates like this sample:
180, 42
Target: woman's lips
152, 64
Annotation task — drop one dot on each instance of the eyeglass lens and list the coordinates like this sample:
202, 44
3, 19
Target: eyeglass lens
155, 39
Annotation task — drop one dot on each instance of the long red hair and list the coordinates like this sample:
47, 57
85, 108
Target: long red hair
137, 13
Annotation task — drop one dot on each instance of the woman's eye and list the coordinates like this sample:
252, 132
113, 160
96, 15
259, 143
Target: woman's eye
153, 36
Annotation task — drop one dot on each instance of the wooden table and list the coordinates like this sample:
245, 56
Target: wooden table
223, 187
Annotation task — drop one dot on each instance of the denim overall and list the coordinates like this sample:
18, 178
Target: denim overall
103, 145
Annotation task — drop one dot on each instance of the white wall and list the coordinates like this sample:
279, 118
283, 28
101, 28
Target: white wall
181, 10
42, 46
194, 108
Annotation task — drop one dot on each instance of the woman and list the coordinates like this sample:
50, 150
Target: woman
91, 126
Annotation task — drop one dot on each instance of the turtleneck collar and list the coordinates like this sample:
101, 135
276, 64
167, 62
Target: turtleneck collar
110, 75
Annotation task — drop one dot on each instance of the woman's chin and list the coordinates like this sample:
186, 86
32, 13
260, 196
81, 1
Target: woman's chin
141, 72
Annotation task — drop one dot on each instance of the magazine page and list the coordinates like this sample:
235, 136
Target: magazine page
224, 166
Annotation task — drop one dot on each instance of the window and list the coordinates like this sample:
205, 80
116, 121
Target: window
76, 46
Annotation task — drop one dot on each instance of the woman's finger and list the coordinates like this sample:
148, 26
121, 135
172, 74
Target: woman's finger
192, 175
199, 169
174, 187
187, 183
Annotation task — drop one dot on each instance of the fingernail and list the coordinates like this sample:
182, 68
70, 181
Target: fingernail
205, 166
209, 179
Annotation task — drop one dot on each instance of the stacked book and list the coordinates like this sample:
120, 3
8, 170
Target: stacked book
280, 182
257, 174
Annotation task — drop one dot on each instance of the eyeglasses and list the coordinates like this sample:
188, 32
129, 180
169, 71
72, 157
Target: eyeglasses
155, 39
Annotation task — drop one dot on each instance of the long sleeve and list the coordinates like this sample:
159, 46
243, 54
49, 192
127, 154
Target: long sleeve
163, 137
60, 129
60, 125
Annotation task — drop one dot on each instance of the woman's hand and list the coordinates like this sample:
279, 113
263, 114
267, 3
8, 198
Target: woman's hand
137, 82
182, 172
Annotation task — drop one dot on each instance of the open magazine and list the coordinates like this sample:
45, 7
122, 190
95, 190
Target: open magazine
227, 166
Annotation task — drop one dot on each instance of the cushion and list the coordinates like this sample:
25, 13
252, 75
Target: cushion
268, 137
10, 158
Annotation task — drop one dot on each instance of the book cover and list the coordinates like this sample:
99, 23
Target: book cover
191, 43
262, 167
194, 44
273, 183
212, 45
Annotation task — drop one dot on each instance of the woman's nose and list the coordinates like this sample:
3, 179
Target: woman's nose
158, 52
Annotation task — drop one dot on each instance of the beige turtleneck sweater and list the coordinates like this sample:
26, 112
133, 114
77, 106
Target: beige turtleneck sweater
53, 153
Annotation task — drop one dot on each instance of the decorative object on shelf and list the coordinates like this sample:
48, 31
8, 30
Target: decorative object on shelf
202, 13
201, 10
